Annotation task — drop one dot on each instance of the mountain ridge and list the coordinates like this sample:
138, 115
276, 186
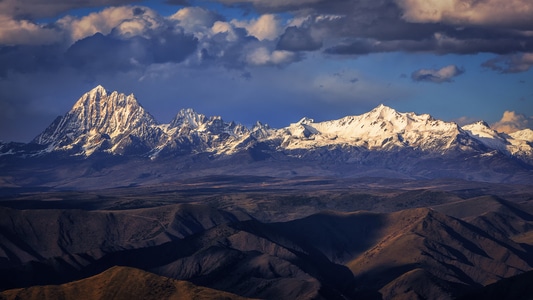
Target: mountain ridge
110, 136
99, 117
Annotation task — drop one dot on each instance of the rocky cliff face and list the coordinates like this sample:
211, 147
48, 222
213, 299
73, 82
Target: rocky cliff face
102, 122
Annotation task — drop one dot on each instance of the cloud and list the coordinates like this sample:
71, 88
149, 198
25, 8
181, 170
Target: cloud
444, 74
266, 27
125, 20
196, 20
441, 27
24, 32
125, 38
128, 20
274, 5
512, 121
511, 13
338, 26
261, 56
512, 63
178, 2
464, 120
298, 39
25, 59
32, 9
93, 54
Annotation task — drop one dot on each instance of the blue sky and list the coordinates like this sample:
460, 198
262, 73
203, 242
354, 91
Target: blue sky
269, 60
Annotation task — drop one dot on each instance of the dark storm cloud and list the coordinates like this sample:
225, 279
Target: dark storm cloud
32, 9
106, 54
26, 59
445, 74
362, 27
178, 2
439, 44
298, 39
100, 53
133, 38
265, 6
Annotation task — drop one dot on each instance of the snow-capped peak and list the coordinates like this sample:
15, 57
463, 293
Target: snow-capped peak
381, 128
188, 117
95, 118
115, 123
522, 144
305, 121
382, 111
99, 89
482, 132
524, 135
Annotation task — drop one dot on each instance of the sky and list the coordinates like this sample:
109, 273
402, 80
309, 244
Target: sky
273, 61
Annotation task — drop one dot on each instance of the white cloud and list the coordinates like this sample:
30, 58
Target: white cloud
195, 20
225, 27
262, 56
266, 27
512, 121
488, 12
444, 74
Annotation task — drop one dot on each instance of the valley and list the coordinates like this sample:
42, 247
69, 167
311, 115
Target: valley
268, 237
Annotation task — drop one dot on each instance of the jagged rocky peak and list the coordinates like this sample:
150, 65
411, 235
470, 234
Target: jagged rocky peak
482, 123
98, 91
188, 117
305, 121
98, 117
112, 122
109, 112
481, 129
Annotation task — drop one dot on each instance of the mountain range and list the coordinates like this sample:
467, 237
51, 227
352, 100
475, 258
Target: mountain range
382, 142
108, 203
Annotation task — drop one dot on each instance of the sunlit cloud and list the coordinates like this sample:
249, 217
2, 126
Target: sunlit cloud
25, 32
512, 122
266, 27
445, 74
262, 56
490, 12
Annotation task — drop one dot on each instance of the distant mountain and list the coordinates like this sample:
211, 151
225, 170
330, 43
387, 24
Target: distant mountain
111, 122
382, 142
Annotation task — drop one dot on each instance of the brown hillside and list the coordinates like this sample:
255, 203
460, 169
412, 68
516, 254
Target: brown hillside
119, 283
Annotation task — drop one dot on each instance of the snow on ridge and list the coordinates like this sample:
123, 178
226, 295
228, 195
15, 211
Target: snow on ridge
113, 122
381, 128
482, 132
